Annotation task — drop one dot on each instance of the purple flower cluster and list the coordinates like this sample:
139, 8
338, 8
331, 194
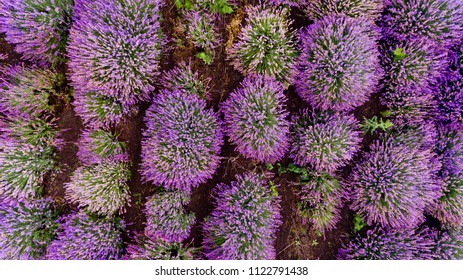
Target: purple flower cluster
380, 244
26, 229
114, 51
166, 217
181, 144
265, 44
201, 31
38, 28
324, 140
244, 222
320, 200
98, 145
152, 248
339, 63
318, 9
448, 245
84, 237
183, 78
255, 119
393, 185
440, 21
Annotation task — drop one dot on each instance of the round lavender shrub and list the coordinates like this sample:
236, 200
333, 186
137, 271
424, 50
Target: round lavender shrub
324, 140
99, 111
183, 78
26, 229
181, 144
101, 188
266, 44
98, 145
255, 119
26, 92
320, 200
393, 185
244, 222
449, 147
114, 48
440, 21
449, 98
39, 28
22, 168
84, 237
318, 9
449, 208
339, 64
202, 31
448, 244
166, 216
380, 244
412, 69
154, 248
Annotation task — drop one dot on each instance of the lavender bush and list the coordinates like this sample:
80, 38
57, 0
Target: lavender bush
102, 188
440, 21
255, 119
448, 245
380, 244
339, 64
392, 185
26, 229
183, 78
114, 48
244, 222
154, 248
449, 98
84, 237
265, 44
166, 217
318, 9
324, 140
181, 144
320, 200
38, 28
97, 145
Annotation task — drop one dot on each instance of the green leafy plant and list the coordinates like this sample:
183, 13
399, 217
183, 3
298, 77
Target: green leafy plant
216, 6
184, 4
358, 223
371, 125
398, 54
205, 57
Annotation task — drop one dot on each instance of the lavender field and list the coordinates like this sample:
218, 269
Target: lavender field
231, 130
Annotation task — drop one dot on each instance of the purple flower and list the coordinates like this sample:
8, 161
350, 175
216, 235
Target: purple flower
38, 28
393, 185
26, 229
183, 78
440, 21
265, 44
318, 9
324, 140
320, 201
84, 237
114, 48
244, 222
166, 217
155, 248
255, 119
449, 98
201, 30
339, 64
448, 244
380, 244
181, 144
100, 188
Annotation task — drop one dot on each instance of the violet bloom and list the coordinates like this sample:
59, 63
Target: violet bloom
448, 244
318, 9
393, 185
440, 21
244, 222
181, 144
166, 216
380, 244
98, 145
324, 140
39, 28
155, 248
183, 78
26, 229
83, 237
114, 48
255, 119
339, 63
266, 44
101, 188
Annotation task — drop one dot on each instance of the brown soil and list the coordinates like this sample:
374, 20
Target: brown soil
294, 239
